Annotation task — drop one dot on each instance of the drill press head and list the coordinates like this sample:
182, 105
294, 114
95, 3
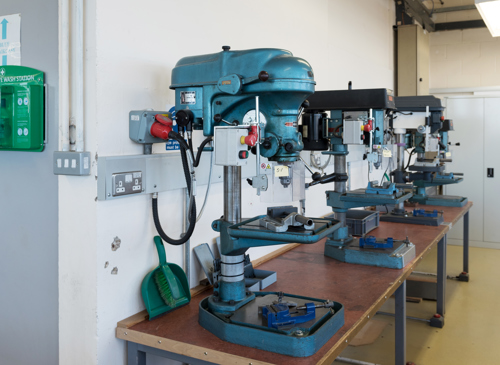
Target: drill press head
219, 89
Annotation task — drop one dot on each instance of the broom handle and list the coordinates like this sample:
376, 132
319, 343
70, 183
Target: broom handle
161, 250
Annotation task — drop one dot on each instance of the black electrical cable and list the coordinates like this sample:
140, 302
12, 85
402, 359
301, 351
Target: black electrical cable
190, 143
200, 150
409, 158
192, 212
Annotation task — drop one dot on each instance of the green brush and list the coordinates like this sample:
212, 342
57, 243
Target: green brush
166, 287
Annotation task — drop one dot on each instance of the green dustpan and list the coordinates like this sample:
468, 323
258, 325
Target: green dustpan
166, 287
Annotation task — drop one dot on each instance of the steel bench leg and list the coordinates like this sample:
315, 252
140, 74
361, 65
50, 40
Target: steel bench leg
464, 275
438, 319
400, 327
135, 356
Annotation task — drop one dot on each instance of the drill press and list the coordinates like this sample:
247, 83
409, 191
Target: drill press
251, 100
419, 124
357, 117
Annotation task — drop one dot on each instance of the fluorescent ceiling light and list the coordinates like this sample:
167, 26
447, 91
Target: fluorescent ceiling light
490, 11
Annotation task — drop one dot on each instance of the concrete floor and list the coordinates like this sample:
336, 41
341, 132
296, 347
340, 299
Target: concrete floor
471, 334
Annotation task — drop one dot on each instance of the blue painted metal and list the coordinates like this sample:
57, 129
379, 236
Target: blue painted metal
386, 189
440, 200
438, 180
227, 82
420, 194
271, 339
278, 315
444, 139
360, 198
372, 242
378, 126
380, 257
229, 306
247, 233
425, 213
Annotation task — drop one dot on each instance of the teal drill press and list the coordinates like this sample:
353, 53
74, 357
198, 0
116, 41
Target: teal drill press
357, 117
251, 100
419, 124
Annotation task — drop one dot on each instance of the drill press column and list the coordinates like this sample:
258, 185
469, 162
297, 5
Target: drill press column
232, 285
400, 142
232, 194
340, 186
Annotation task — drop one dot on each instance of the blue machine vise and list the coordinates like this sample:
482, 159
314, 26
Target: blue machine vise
371, 242
425, 213
385, 189
278, 315
449, 176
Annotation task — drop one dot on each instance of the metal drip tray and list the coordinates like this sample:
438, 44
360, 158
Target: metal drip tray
248, 327
393, 258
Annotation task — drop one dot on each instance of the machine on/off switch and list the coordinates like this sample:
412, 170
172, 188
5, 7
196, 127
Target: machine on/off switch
243, 155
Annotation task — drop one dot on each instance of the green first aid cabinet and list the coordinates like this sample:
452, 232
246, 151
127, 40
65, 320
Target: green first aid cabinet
22, 109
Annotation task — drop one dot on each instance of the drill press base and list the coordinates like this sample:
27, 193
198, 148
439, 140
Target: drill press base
393, 258
247, 327
410, 219
440, 200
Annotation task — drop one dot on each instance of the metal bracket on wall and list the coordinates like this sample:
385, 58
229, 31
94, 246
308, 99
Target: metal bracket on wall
409, 11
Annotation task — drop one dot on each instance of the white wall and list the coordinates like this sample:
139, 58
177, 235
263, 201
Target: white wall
464, 59
136, 46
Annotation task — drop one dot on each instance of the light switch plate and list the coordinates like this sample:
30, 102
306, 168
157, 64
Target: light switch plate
71, 163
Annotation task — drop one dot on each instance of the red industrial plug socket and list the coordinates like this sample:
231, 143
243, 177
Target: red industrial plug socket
161, 127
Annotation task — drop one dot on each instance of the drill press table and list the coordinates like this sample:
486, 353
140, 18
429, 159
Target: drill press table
302, 270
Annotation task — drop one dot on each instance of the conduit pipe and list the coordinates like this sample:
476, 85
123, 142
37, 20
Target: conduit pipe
76, 120
64, 75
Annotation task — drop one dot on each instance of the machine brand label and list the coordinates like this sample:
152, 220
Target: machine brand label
188, 97
226, 82
289, 124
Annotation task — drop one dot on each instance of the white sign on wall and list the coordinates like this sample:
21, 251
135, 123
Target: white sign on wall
10, 40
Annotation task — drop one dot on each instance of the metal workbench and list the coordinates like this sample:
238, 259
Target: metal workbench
302, 270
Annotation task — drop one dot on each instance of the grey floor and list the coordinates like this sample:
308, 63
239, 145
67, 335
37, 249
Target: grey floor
471, 334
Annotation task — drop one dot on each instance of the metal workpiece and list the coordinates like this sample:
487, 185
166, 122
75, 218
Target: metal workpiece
280, 220
232, 194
